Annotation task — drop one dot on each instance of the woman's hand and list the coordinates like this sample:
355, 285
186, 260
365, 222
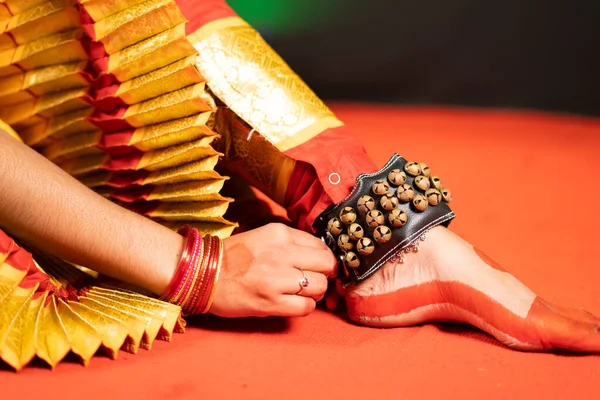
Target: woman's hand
262, 269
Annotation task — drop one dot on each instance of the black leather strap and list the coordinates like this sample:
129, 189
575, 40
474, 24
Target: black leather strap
417, 222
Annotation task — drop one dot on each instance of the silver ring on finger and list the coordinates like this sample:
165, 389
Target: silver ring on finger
304, 282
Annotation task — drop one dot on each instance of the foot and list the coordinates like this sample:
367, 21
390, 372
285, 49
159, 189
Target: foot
450, 280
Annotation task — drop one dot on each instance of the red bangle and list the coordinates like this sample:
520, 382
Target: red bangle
184, 261
194, 282
193, 306
192, 275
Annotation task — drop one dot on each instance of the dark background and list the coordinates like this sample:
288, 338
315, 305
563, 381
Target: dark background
526, 54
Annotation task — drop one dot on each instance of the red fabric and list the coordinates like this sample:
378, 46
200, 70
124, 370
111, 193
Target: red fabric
105, 99
126, 163
335, 151
497, 164
127, 178
305, 198
117, 143
112, 121
264, 210
20, 259
312, 188
132, 194
201, 12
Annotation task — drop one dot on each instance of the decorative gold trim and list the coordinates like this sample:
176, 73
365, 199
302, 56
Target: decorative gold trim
212, 27
244, 72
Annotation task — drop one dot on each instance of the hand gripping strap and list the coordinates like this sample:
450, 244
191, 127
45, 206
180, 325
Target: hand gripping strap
385, 213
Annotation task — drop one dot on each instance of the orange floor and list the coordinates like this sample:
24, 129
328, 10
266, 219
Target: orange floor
524, 187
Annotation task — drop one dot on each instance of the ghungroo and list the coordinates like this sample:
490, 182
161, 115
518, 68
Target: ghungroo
386, 213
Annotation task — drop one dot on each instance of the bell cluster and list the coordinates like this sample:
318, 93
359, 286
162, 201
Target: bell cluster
381, 210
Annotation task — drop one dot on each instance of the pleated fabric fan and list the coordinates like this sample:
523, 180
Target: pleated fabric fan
110, 92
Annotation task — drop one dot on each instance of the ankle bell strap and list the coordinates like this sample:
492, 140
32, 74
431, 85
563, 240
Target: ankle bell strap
385, 213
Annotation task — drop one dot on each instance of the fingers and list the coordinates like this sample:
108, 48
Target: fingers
317, 284
302, 238
301, 250
310, 259
294, 306
285, 234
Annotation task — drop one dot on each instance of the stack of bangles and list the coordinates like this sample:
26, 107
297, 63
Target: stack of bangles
195, 281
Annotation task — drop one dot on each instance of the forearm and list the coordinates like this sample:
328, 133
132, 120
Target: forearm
55, 213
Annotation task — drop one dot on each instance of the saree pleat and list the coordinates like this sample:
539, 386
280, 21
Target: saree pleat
60, 309
111, 93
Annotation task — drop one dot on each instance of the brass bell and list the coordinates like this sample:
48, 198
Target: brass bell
344, 242
347, 215
334, 226
365, 204
420, 202
405, 193
425, 170
380, 187
355, 231
397, 218
365, 246
351, 260
412, 168
388, 202
397, 177
434, 197
446, 195
374, 218
422, 182
382, 234
436, 182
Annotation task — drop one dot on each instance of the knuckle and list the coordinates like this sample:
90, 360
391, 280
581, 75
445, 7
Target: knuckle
278, 230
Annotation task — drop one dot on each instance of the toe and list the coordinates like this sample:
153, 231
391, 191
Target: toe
564, 328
